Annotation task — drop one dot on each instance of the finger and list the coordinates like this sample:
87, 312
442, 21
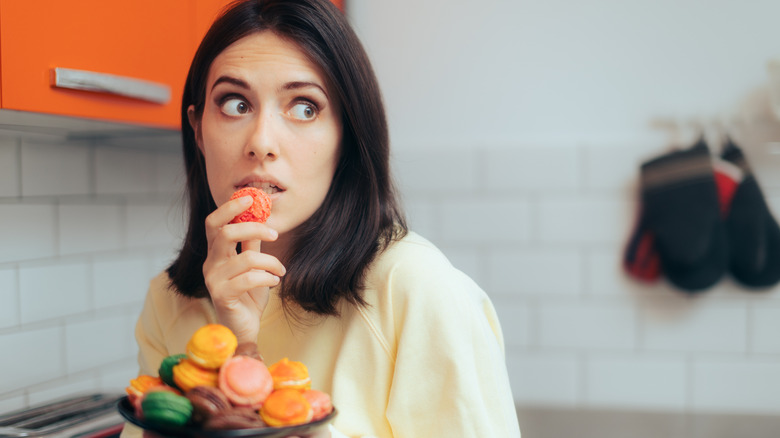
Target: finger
227, 290
248, 231
249, 260
225, 213
252, 279
227, 237
250, 245
260, 296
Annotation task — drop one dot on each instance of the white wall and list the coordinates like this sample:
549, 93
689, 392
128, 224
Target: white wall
84, 226
500, 72
518, 128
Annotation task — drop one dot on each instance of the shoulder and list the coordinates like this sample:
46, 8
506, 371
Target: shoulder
163, 293
413, 254
413, 268
165, 304
413, 288
166, 322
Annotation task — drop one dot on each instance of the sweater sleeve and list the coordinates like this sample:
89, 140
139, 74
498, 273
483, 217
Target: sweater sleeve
450, 376
148, 331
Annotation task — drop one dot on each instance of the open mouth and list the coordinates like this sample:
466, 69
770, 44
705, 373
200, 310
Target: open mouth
268, 188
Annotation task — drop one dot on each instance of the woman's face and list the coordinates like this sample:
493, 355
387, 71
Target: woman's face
269, 121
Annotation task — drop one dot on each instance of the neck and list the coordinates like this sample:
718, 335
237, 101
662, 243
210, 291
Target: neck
279, 247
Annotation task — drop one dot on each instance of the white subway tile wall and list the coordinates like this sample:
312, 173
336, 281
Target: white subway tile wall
106, 337
542, 229
30, 366
123, 171
742, 385
636, 381
9, 296
41, 290
764, 329
546, 378
52, 168
85, 227
30, 233
9, 166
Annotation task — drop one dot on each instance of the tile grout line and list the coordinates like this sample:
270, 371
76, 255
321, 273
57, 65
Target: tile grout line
18, 290
57, 227
19, 179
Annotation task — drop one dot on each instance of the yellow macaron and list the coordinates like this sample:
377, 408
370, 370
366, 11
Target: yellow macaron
188, 375
211, 345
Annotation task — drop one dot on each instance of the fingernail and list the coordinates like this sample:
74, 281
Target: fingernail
274, 234
246, 200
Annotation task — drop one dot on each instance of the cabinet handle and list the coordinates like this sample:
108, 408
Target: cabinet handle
111, 84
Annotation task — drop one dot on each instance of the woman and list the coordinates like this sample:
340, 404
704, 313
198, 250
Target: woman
281, 96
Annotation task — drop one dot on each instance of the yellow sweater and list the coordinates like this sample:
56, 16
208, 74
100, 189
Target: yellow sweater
425, 358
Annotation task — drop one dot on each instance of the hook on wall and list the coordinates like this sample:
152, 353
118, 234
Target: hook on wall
715, 130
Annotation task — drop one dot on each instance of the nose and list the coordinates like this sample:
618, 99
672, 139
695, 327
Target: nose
263, 141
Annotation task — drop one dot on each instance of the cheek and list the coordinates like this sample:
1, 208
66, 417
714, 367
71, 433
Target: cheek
219, 166
322, 167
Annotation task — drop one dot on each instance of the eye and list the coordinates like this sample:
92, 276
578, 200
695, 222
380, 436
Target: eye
304, 111
234, 106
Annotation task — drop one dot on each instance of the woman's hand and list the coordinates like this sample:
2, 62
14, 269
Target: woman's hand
239, 283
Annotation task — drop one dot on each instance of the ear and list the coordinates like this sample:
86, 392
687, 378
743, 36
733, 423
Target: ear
195, 124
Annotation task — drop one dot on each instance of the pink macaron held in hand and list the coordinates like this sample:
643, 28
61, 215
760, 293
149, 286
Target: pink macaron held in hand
245, 381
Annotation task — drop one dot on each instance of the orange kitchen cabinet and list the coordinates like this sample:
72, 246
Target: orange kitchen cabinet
206, 11
103, 60
145, 46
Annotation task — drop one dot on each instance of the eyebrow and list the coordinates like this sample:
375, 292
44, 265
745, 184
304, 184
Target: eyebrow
231, 80
296, 85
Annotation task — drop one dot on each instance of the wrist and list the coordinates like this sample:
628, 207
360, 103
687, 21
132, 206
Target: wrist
244, 329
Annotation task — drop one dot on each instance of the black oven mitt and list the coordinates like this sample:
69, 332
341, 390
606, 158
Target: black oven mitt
753, 233
680, 208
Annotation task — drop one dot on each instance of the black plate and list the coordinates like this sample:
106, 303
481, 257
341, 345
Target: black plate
128, 412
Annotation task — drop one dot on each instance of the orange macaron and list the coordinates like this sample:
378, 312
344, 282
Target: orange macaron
290, 374
286, 407
258, 211
140, 385
211, 345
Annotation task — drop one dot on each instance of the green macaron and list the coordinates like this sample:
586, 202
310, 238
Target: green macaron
166, 408
166, 368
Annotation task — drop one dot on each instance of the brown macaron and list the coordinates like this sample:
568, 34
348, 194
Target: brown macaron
248, 349
235, 418
206, 402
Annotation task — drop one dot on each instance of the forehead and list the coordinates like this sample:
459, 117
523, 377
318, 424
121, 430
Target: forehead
264, 53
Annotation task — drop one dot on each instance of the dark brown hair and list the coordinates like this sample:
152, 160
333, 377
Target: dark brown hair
360, 215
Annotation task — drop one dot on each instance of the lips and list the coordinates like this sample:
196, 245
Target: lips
270, 187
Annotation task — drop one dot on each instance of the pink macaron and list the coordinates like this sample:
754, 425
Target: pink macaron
245, 381
320, 403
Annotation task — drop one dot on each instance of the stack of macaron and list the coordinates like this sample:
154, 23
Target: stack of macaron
221, 384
